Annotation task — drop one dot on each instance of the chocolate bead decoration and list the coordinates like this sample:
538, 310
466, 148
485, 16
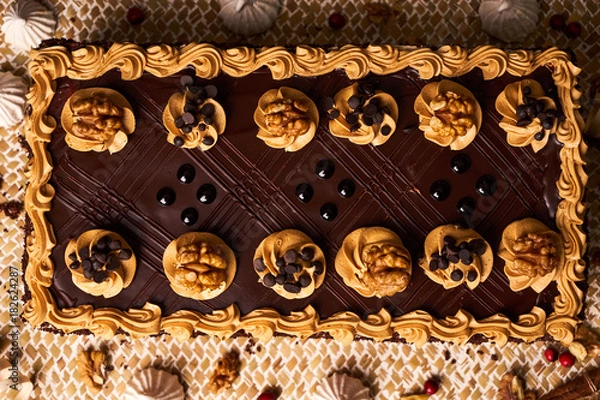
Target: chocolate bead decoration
325, 169
186, 173
189, 216
346, 188
329, 211
206, 193
486, 185
440, 190
466, 206
460, 163
304, 192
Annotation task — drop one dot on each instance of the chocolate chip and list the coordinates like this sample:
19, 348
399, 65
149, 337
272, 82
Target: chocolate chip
328, 103
290, 256
280, 262
452, 249
101, 257
307, 254
463, 245
333, 114
464, 255
378, 118
433, 265
367, 120
291, 288
178, 141
291, 268
354, 101
443, 263
449, 240
97, 265
189, 118
351, 119
207, 109
280, 279
114, 245
531, 101
370, 110
540, 135
75, 265
269, 280
435, 256
186, 80
548, 123
318, 266
526, 90
211, 91
84, 252
100, 276
539, 106
88, 273
125, 254
453, 259
456, 275
72, 256
259, 264
103, 242
521, 111
471, 275
551, 113
189, 108
523, 121
86, 264
112, 263
208, 121
304, 280
187, 128
208, 141
179, 122
354, 128
479, 246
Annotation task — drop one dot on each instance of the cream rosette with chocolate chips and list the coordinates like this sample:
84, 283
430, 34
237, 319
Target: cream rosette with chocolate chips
363, 115
374, 262
194, 118
449, 114
290, 263
97, 119
455, 255
101, 262
533, 254
199, 265
528, 115
287, 119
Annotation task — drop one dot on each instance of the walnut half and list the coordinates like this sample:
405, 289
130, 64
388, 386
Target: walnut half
91, 366
96, 118
226, 373
200, 267
453, 114
535, 255
285, 118
387, 269
512, 388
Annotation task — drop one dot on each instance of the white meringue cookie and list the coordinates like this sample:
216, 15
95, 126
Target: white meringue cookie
249, 17
26, 23
342, 387
154, 384
12, 99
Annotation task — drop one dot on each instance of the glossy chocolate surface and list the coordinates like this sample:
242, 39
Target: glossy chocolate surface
256, 195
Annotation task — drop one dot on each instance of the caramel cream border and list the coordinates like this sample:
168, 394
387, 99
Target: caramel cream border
132, 61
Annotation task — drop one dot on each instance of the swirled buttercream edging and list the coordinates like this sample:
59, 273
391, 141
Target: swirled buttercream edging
163, 60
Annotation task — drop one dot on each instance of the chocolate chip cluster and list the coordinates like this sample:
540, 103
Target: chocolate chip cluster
533, 108
293, 269
454, 253
196, 113
106, 255
364, 109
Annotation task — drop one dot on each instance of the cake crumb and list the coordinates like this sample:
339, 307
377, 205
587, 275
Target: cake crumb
446, 355
226, 373
453, 361
12, 209
250, 347
479, 352
494, 357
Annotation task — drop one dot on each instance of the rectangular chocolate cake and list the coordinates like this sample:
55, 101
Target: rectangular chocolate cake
154, 186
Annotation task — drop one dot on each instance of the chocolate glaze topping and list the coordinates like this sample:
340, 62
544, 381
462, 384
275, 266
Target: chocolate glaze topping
256, 194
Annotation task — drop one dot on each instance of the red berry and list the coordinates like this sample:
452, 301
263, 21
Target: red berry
551, 354
558, 22
431, 386
337, 21
566, 359
135, 15
267, 396
573, 29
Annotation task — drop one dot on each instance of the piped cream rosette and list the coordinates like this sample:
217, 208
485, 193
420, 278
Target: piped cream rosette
199, 265
449, 114
117, 268
533, 254
444, 265
506, 104
204, 139
290, 263
287, 119
374, 262
97, 119
365, 134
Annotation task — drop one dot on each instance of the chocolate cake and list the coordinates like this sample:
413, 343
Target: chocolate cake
151, 191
